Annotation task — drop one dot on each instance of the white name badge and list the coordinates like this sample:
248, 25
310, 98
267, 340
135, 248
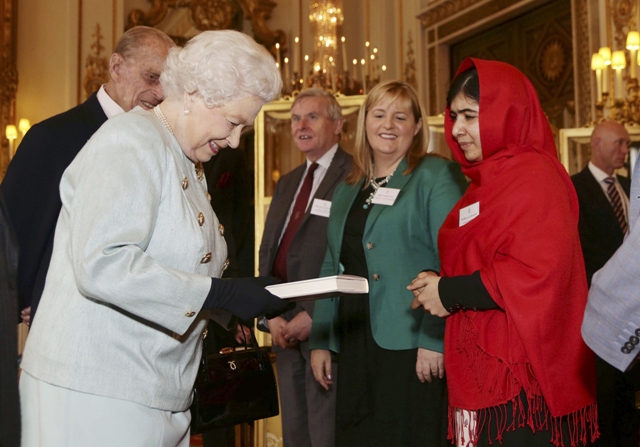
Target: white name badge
321, 207
385, 196
467, 214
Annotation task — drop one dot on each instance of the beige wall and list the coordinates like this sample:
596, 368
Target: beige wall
53, 44
47, 46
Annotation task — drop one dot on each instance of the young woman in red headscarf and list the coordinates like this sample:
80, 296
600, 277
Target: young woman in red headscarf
512, 285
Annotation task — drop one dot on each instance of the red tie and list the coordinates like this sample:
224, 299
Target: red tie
616, 203
280, 264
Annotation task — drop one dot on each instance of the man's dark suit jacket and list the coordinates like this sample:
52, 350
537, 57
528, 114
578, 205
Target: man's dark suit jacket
309, 245
600, 233
9, 401
31, 189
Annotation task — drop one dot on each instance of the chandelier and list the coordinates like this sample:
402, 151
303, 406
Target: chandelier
322, 69
618, 96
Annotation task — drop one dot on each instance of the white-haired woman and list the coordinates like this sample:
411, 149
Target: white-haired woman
138, 252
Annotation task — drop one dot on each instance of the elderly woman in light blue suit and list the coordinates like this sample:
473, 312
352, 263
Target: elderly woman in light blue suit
384, 225
138, 253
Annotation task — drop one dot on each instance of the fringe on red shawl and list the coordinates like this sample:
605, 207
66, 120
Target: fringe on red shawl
465, 426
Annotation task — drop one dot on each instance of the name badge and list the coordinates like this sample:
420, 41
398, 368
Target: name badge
385, 196
468, 213
321, 207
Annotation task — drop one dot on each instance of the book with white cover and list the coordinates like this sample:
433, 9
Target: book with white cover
317, 288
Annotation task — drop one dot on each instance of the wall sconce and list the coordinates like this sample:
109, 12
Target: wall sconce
23, 126
11, 133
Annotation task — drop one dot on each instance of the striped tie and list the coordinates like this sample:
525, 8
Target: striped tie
616, 203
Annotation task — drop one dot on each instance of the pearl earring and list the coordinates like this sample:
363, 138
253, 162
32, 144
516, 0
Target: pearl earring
187, 111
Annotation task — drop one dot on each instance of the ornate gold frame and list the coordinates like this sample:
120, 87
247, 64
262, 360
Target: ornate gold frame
8, 75
281, 109
573, 147
216, 14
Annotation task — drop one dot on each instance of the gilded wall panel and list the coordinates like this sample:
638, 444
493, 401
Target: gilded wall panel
441, 11
582, 64
623, 13
488, 9
539, 43
433, 106
210, 15
8, 75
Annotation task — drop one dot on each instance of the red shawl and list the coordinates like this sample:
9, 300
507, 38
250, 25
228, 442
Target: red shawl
525, 243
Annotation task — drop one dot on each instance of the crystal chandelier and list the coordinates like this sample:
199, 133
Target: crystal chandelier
325, 17
323, 69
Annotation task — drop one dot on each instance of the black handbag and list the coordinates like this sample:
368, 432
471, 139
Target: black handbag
234, 386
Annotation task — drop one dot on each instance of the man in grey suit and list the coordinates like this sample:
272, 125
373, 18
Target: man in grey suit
293, 248
611, 325
30, 186
604, 204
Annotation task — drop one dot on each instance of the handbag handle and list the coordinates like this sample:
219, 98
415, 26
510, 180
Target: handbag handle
228, 350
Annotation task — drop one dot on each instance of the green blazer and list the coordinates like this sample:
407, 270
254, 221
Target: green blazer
399, 241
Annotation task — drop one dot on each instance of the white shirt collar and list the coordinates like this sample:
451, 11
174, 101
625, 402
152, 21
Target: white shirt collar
599, 174
109, 106
325, 160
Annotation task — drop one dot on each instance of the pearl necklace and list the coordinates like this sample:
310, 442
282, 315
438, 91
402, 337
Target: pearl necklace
375, 185
198, 166
162, 119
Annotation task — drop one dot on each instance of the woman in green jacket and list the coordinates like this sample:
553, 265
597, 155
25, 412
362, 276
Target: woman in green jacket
384, 225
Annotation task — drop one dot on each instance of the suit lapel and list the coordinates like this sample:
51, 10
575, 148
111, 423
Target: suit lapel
341, 208
599, 196
93, 113
289, 190
332, 176
625, 183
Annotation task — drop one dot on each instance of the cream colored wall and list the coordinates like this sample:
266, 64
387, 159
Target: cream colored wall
50, 66
47, 47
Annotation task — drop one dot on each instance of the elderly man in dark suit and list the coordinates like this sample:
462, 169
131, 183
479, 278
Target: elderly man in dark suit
293, 248
604, 219
30, 186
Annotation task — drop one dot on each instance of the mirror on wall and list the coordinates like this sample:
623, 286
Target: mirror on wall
276, 154
574, 149
183, 19
437, 141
